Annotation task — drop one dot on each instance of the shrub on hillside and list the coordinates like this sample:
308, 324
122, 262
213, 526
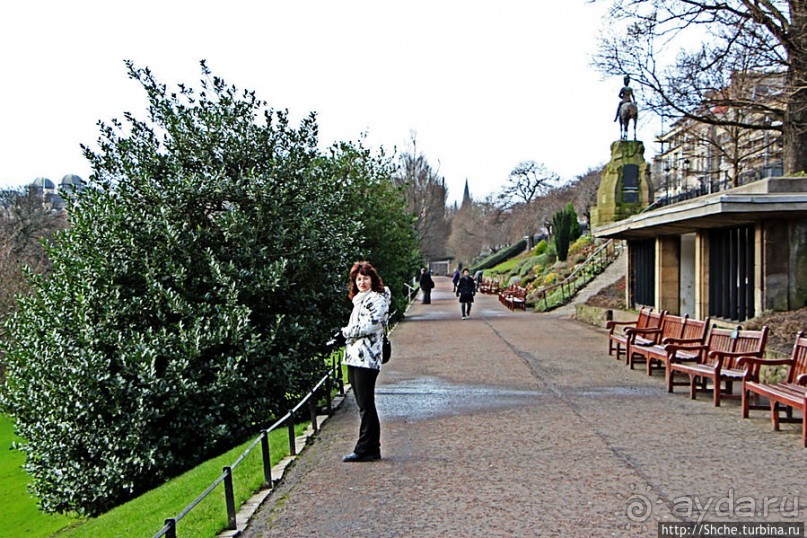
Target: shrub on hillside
540, 248
504, 254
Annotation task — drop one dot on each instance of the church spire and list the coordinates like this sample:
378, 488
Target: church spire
466, 195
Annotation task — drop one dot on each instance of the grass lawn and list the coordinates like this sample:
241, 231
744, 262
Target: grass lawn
142, 516
20, 514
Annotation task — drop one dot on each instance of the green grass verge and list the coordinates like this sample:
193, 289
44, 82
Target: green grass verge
146, 515
20, 513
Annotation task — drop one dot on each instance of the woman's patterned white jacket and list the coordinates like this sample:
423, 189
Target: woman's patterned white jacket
365, 329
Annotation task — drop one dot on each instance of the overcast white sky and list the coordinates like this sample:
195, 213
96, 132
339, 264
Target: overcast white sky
483, 84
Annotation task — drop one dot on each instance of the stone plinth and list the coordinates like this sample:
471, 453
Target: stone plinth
625, 187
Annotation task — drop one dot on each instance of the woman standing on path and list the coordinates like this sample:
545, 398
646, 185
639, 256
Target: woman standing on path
363, 340
466, 289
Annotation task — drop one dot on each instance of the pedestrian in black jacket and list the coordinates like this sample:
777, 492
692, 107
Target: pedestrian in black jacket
466, 289
426, 285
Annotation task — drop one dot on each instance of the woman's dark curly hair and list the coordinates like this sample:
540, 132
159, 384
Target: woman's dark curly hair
366, 269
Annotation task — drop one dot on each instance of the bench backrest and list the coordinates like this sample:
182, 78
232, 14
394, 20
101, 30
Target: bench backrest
672, 327
799, 357
644, 317
749, 343
655, 319
695, 329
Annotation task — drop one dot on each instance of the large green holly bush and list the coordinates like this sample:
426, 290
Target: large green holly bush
191, 295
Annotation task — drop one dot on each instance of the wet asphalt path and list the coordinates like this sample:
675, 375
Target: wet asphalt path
519, 424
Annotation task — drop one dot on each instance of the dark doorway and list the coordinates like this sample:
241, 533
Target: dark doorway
643, 274
731, 273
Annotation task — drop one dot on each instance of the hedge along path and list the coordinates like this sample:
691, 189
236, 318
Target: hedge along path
518, 424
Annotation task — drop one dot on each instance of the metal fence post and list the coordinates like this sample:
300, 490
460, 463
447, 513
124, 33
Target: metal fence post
292, 442
340, 381
229, 498
267, 460
171, 532
312, 408
329, 389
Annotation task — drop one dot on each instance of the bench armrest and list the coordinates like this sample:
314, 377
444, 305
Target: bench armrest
732, 354
643, 330
802, 380
611, 323
756, 361
672, 348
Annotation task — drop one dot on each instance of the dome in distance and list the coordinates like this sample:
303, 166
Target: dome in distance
72, 179
43, 183
71, 183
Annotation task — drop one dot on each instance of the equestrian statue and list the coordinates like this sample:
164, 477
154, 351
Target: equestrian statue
626, 110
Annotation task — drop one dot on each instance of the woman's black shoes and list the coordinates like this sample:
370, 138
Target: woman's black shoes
361, 457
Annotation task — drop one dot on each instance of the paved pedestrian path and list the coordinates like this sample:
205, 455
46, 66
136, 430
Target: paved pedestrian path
519, 424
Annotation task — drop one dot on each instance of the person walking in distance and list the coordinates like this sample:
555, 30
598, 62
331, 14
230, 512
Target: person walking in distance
426, 285
455, 279
466, 289
362, 338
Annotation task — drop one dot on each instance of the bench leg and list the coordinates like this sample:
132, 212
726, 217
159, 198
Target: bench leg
804, 424
693, 392
716, 393
745, 403
775, 415
670, 378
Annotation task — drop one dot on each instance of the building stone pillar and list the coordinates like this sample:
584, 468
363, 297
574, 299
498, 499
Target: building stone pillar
701, 275
668, 284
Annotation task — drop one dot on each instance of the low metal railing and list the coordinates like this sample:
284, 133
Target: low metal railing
583, 273
334, 375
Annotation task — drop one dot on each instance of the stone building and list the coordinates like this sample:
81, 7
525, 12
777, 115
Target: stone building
730, 255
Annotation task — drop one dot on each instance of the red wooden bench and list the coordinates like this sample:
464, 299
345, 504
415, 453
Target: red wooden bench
792, 393
693, 333
619, 339
636, 336
517, 298
718, 360
644, 339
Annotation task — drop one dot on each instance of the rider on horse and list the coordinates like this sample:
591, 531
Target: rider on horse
625, 95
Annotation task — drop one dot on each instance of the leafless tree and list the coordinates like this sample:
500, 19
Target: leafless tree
426, 194
527, 181
25, 223
740, 39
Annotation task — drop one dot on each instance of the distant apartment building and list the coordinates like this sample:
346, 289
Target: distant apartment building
702, 158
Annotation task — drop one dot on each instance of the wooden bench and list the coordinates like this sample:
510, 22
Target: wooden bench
693, 334
517, 298
636, 336
792, 393
513, 297
619, 339
718, 360
672, 326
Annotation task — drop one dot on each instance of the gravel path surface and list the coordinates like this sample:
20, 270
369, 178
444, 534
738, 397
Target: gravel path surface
519, 424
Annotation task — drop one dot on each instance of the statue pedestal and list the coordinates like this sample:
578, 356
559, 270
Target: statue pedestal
625, 188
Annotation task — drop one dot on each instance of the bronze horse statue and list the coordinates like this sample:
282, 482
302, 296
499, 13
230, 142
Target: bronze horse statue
627, 112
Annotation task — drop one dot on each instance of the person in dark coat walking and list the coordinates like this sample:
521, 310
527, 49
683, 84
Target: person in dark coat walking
466, 289
426, 285
455, 279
